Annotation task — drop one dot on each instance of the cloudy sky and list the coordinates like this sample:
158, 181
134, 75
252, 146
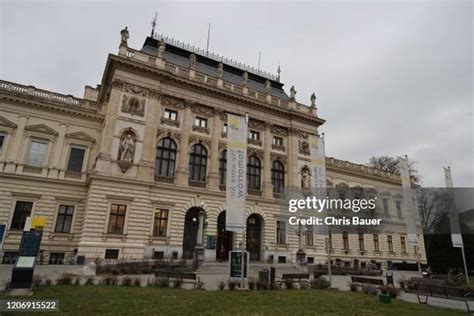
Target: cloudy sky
391, 77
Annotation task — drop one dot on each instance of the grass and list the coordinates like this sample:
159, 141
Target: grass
117, 300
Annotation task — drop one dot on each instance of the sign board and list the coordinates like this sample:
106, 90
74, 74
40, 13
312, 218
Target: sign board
235, 264
30, 244
38, 222
3, 230
25, 262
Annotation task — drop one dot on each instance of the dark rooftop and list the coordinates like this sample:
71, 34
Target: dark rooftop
208, 66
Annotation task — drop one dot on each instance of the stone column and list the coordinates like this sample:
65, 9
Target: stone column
199, 248
214, 162
183, 157
147, 160
267, 164
293, 159
15, 145
58, 149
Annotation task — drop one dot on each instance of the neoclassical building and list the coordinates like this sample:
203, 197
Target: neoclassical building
136, 167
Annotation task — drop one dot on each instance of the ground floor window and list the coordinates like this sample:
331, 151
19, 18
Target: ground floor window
281, 232
9, 257
56, 258
161, 223
111, 253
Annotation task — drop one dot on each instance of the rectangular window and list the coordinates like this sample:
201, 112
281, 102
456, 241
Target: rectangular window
361, 241
224, 128
399, 208
281, 232
345, 240
376, 242
403, 244
64, 220
76, 159
111, 254
117, 219
2, 141
254, 135
9, 257
171, 115
277, 141
342, 195
385, 207
56, 258
200, 121
161, 223
37, 154
22, 211
309, 239
390, 243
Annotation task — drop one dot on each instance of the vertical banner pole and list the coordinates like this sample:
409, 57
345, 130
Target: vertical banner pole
329, 260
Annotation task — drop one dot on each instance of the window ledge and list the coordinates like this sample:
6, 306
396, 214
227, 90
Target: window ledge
106, 236
54, 235
165, 239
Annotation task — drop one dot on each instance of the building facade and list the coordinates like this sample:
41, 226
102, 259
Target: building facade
136, 168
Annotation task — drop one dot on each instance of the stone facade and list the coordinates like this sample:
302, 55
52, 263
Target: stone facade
118, 125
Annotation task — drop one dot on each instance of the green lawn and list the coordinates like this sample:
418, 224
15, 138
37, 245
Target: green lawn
118, 300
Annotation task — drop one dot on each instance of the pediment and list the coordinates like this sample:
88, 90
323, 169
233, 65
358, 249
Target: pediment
6, 123
41, 128
81, 136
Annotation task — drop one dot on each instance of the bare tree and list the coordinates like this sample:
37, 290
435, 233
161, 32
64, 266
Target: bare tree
391, 164
433, 205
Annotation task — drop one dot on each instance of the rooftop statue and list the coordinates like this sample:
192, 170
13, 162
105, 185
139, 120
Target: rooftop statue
192, 61
246, 78
124, 34
292, 92
161, 48
220, 70
268, 86
313, 100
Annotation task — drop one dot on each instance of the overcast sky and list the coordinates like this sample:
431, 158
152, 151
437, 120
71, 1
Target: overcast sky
391, 77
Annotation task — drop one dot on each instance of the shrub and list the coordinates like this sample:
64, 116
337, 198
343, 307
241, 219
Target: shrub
319, 283
384, 289
354, 287
178, 283
37, 281
162, 282
221, 285
304, 285
252, 284
263, 285
373, 290
109, 280
392, 291
200, 285
77, 281
127, 281
232, 284
64, 280
289, 285
137, 282
89, 281
365, 289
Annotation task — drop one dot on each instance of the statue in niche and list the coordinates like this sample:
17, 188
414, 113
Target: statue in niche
292, 92
124, 36
133, 106
305, 179
161, 49
192, 61
220, 70
127, 147
313, 100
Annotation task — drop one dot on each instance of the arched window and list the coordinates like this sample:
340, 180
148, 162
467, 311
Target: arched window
198, 163
278, 177
253, 173
222, 167
165, 157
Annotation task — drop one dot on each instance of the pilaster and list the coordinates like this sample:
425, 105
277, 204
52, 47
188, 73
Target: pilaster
214, 161
183, 156
267, 164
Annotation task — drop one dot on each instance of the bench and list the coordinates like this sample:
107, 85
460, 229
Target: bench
178, 275
442, 291
362, 280
295, 277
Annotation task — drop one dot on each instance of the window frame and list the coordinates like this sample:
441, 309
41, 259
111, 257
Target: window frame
39, 140
376, 242
309, 236
278, 177
223, 167
280, 232
200, 121
13, 208
169, 113
253, 133
361, 242
277, 141
111, 249
403, 244
109, 215
160, 219
254, 173
386, 207
198, 161
390, 243
345, 240
84, 157
170, 172
72, 216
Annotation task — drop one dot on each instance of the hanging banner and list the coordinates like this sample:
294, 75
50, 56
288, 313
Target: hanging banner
456, 237
318, 174
236, 176
408, 202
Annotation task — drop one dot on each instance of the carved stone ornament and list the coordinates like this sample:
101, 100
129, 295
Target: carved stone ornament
168, 133
133, 106
133, 89
201, 129
202, 110
256, 152
305, 178
256, 124
302, 134
172, 102
161, 49
222, 145
200, 140
192, 61
281, 158
303, 148
279, 130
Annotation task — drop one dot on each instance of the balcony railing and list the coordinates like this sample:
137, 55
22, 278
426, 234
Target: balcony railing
197, 184
164, 179
32, 169
73, 174
254, 192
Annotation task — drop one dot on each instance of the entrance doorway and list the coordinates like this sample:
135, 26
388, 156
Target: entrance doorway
224, 239
254, 237
191, 226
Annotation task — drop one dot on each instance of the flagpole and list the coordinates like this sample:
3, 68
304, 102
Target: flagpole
329, 260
